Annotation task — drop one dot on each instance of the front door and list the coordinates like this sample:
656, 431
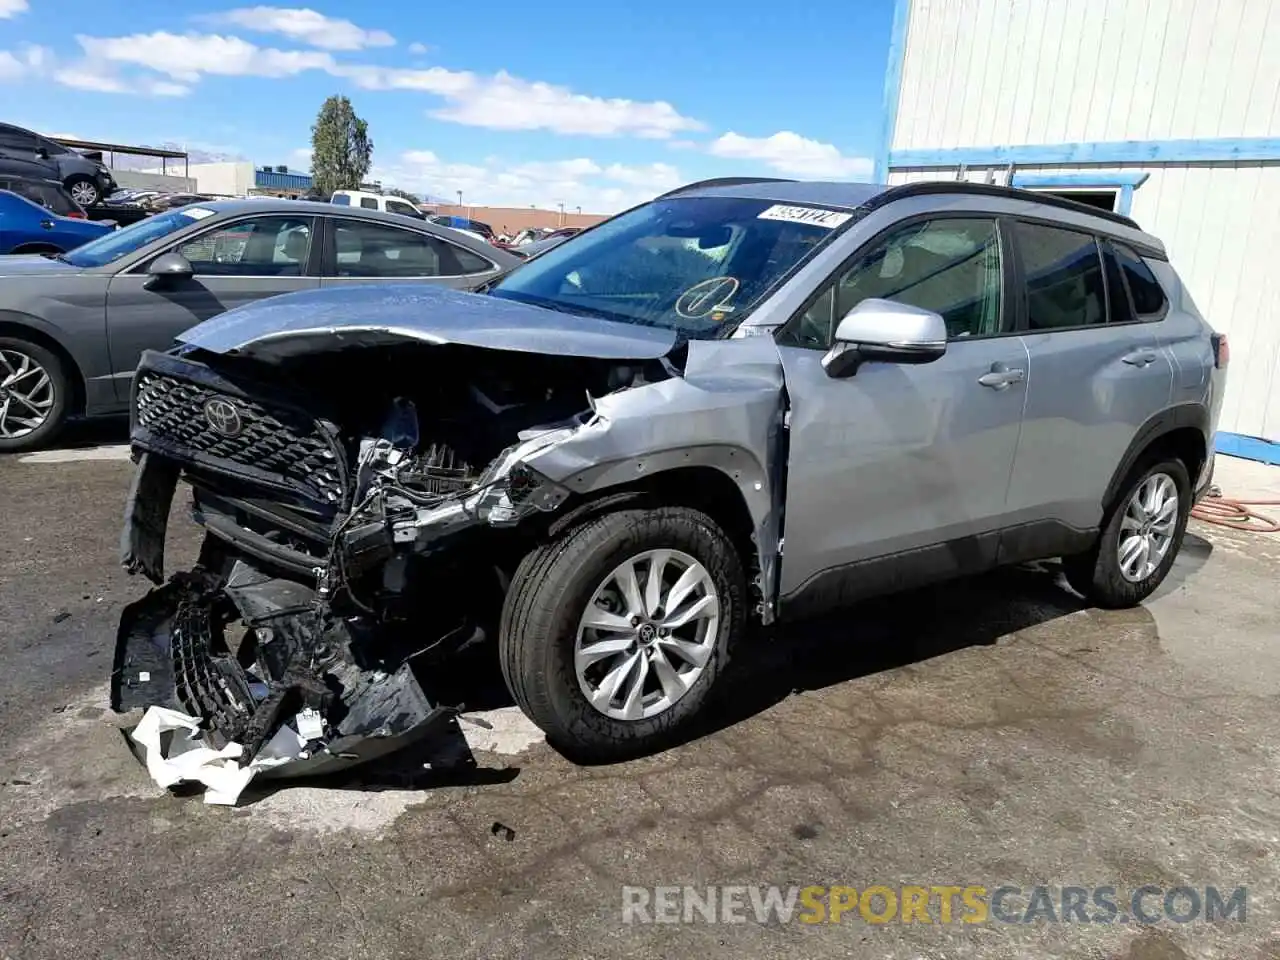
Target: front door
232, 264
898, 474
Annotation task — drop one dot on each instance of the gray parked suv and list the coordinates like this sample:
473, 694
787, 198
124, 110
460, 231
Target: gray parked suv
740, 403
22, 151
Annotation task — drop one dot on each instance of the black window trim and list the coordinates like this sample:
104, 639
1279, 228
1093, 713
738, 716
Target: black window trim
1009, 314
1118, 246
1024, 328
328, 263
309, 269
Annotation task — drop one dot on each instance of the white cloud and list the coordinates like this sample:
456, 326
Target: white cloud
504, 102
306, 26
11, 8
418, 48
787, 152
186, 57
579, 182
29, 62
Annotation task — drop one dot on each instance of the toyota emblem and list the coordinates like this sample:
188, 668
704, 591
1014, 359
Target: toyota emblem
223, 417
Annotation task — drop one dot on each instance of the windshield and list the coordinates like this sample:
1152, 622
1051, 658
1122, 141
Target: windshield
112, 246
697, 265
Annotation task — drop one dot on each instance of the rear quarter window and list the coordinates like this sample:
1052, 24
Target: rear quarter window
1149, 300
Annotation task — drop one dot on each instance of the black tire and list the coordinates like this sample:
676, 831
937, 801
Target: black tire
59, 387
1096, 574
548, 596
91, 193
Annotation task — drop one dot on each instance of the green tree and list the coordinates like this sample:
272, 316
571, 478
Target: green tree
341, 151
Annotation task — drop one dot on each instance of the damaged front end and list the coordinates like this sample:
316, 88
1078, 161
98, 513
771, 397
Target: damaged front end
352, 547
368, 492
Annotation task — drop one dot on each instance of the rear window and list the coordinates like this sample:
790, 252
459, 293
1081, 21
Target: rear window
341, 199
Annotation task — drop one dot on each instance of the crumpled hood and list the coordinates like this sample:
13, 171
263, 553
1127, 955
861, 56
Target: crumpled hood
317, 321
34, 265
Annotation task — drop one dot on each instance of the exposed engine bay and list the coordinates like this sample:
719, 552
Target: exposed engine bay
335, 491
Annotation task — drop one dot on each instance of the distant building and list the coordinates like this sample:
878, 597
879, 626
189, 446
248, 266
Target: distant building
1161, 111
239, 178
512, 220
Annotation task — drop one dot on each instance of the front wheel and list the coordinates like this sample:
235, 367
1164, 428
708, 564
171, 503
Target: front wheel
1140, 539
614, 634
34, 395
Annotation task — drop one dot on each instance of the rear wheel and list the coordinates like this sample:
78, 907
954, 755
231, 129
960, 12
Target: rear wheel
614, 634
33, 395
83, 190
1140, 540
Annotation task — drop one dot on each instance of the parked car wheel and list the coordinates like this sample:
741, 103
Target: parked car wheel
33, 395
1140, 540
83, 190
614, 634
28, 248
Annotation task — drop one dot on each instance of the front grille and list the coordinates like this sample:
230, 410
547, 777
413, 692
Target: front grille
271, 441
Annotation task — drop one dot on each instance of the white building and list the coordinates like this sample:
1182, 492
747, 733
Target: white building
237, 178
1165, 110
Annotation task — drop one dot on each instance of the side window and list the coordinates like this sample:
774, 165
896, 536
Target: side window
260, 247
469, 263
375, 250
1149, 301
16, 140
369, 203
1063, 273
399, 206
949, 266
341, 199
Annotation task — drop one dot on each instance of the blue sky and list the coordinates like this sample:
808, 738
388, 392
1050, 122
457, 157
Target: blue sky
587, 103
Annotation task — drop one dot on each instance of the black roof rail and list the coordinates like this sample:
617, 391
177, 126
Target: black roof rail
921, 188
722, 182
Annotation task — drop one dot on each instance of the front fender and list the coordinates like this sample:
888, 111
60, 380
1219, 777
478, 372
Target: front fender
725, 412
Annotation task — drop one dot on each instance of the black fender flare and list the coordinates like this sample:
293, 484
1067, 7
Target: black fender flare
1177, 417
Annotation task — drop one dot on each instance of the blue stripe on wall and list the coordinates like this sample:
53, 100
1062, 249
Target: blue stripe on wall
1219, 150
1250, 448
892, 87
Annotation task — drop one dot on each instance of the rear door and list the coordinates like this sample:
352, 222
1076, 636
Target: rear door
233, 264
898, 474
367, 251
1097, 374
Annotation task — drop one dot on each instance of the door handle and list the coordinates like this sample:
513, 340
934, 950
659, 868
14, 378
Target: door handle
1001, 376
1140, 358
47, 224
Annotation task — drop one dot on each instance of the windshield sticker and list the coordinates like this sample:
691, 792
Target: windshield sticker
828, 219
198, 213
709, 296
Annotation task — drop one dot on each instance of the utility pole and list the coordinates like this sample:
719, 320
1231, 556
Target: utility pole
561, 223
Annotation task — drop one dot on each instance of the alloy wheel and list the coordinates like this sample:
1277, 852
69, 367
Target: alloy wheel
1148, 527
647, 634
84, 193
26, 395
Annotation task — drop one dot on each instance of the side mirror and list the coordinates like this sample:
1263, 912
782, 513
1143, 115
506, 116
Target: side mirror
42, 153
886, 331
167, 268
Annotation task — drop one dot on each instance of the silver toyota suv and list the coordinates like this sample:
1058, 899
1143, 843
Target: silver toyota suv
744, 402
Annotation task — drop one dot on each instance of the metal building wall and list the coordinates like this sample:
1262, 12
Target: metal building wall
1178, 100
985, 72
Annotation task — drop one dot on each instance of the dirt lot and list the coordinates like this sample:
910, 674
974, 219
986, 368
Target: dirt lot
990, 732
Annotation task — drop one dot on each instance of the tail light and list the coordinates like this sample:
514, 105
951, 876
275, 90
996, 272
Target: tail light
1221, 351
77, 215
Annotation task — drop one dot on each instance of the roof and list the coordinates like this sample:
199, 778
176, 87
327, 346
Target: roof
849, 196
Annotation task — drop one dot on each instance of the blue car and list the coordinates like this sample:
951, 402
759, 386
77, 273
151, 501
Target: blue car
27, 227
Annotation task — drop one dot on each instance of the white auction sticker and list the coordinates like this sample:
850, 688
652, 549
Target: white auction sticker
830, 219
198, 213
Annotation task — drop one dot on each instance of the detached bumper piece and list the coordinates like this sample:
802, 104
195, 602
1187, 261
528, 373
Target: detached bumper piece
289, 698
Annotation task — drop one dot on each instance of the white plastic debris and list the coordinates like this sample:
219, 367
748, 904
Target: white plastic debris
190, 759
310, 724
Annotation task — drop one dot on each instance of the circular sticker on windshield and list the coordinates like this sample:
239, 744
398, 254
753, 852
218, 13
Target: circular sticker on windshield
709, 296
